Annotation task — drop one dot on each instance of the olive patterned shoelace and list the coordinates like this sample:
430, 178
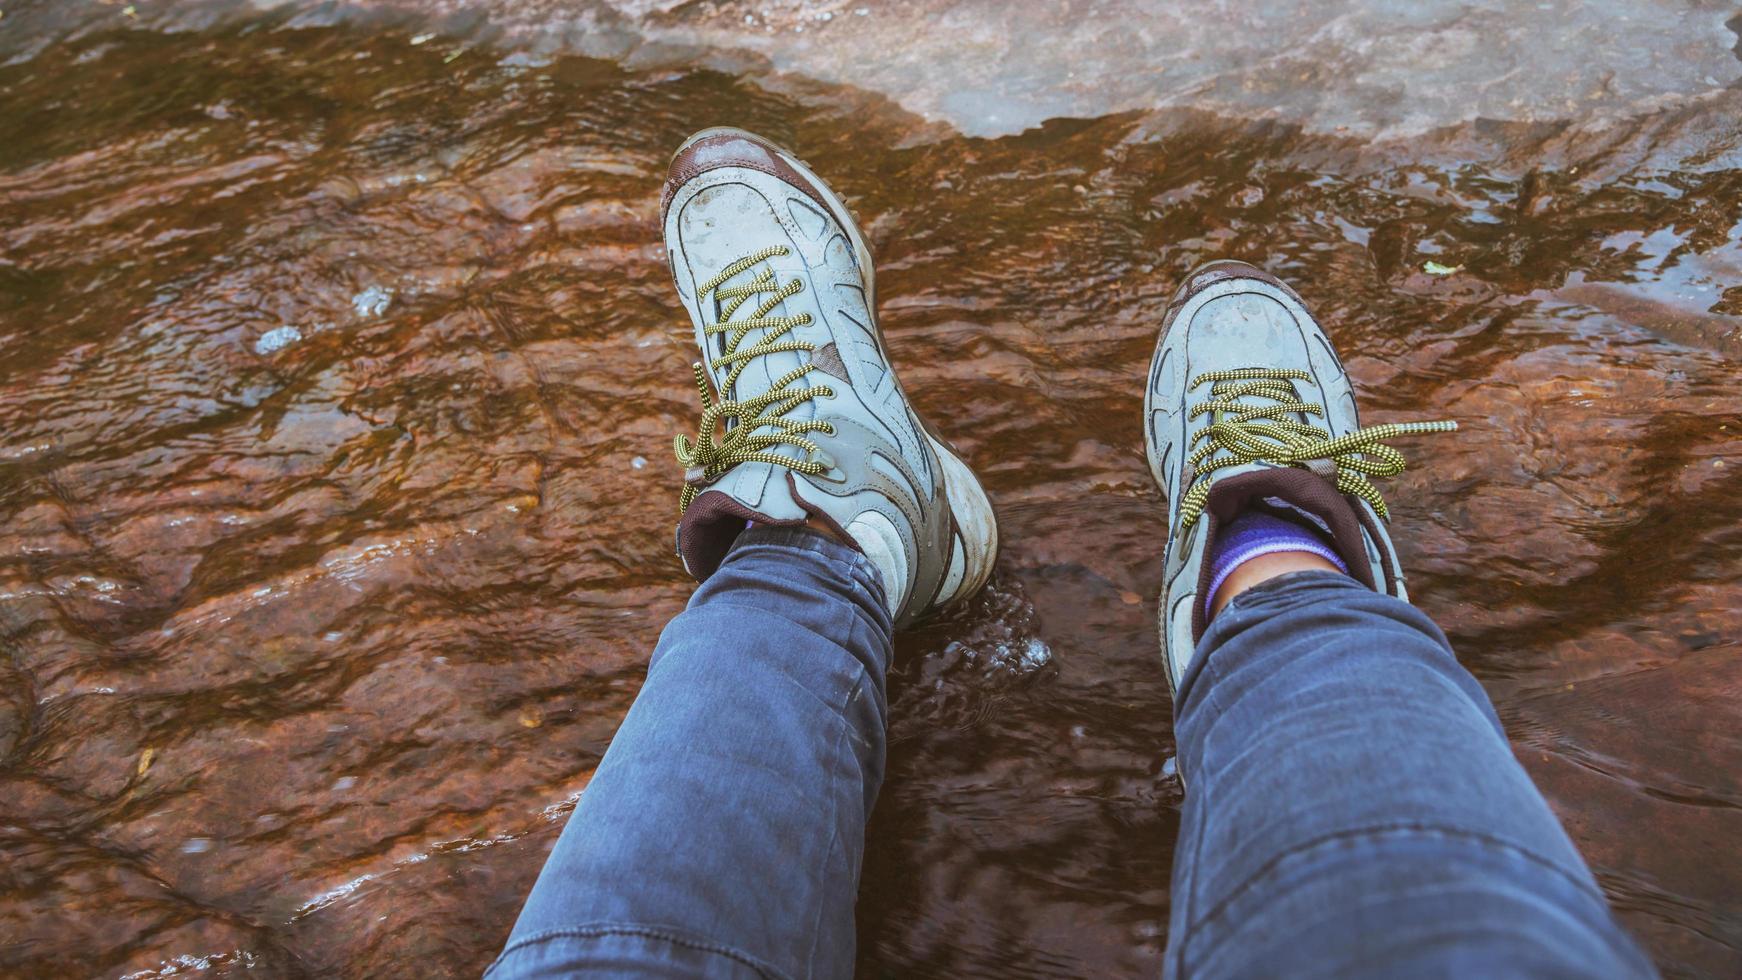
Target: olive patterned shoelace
755, 425
1241, 432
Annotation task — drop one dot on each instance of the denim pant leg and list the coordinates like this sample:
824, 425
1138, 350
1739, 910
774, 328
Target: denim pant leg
723, 831
1353, 808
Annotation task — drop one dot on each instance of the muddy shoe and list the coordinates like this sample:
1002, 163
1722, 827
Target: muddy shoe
802, 415
1248, 404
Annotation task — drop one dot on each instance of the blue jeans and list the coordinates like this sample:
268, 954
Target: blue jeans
1352, 807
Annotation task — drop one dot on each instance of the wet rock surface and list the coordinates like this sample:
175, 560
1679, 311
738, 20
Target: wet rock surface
1376, 69
338, 367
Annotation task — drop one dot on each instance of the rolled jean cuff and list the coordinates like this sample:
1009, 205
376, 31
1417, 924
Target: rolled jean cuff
757, 539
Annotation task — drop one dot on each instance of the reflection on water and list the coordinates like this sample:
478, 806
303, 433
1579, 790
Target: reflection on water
337, 380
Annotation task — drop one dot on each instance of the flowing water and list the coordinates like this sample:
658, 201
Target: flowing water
338, 375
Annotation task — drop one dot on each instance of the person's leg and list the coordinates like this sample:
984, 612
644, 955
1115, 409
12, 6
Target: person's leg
1353, 808
722, 833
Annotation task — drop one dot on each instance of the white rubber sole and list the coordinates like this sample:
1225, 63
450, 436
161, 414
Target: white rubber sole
975, 522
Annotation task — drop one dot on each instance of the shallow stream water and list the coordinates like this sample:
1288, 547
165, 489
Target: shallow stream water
338, 376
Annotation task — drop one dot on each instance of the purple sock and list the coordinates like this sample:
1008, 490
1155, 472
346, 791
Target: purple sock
1256, 533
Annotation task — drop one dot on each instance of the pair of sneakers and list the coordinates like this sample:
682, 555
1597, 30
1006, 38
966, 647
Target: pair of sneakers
804, 421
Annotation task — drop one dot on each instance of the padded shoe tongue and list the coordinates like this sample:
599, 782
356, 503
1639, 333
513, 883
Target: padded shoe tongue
710, 231
1298, 488
761, 373
758, 492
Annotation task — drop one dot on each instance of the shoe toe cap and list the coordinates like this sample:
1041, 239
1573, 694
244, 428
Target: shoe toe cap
1240, 329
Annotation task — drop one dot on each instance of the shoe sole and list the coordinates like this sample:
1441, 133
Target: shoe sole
976, 522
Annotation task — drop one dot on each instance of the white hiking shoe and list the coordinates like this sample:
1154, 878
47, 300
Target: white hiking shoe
1247, 403
803, 416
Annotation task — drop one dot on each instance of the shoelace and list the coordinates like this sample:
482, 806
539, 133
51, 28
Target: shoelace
705, 458
1245, 433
